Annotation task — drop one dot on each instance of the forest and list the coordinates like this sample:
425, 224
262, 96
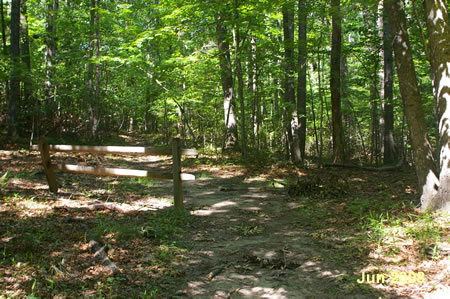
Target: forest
321, 141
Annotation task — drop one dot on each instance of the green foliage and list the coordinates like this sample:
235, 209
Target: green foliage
166, 226
158, 63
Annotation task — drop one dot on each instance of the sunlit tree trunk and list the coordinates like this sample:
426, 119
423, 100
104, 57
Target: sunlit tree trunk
423, 154
436, 13
49, 56
237, 41
302, 56
292, 125
226, 76
335, 82
14, 96
93, 74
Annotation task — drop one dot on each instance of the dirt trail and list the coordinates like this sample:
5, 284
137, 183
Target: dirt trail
246, 244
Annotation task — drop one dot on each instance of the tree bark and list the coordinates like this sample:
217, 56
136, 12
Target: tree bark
423, 154
226, 78
436, 13
335, 82
389, 154
92, 72
28, 101
237, 41
302, 65
5, 49
14, 96
292, 125
49, 54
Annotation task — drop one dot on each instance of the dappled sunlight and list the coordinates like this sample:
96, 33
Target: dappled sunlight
226, 203
436, 16
262, 292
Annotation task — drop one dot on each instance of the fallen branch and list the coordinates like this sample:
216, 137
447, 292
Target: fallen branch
101, 257
100, 253
398, 166
215, 272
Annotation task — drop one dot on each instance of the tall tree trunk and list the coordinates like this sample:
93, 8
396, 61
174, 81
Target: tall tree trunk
301, 93
375, 121
423, 154
237, 40
388, 94
438, 27
4, 49
28, 101
253, 88
91, 76
289, 86
14, 96
50, 52
226, 76
335, 82
97, 69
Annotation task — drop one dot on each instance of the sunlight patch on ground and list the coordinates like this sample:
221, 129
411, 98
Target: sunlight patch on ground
260, 292
256, 179
222, 204
208, 212
34, 208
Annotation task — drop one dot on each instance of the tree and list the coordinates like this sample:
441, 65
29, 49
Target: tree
409, 89
28, 102
335, 82
292, 125
50, 53
226, 78
389, 154
14, 96
93, 71
237, 41
4, 47
439, 40
302, 56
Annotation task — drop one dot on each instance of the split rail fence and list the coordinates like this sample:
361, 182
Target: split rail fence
176, 152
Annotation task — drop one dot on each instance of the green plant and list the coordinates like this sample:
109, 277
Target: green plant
4, 180
248, 229
165, 226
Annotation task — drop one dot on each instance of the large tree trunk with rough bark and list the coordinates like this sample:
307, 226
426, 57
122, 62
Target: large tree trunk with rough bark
301, 93
423, 154
49, 56
14, 95
93, 75
439, 40
389, 154
237, 41
292, 125
335, 82
226, 78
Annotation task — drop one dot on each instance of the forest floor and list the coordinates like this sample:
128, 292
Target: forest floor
250, 230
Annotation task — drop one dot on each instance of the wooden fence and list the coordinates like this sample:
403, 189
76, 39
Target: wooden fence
176, 152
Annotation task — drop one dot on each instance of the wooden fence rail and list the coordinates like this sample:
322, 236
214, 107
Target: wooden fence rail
176, 152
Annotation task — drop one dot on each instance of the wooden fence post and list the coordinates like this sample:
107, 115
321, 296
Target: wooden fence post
177, 183
49, 173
